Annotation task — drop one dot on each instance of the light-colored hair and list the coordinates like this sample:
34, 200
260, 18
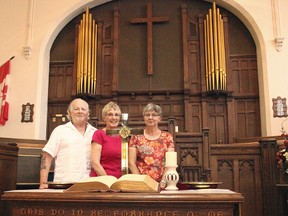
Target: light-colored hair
110, 106
70, 107
152, 107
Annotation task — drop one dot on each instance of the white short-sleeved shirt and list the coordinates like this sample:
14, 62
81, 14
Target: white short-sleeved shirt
72, 152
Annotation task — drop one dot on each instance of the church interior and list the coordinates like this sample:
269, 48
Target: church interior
198, 61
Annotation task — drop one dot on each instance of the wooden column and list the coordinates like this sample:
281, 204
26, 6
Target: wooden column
269, 175
206, 149
185, 49
116, 29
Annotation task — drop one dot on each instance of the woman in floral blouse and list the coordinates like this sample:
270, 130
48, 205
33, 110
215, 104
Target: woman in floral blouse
147, 151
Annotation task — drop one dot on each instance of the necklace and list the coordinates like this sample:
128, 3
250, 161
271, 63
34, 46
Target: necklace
152, 135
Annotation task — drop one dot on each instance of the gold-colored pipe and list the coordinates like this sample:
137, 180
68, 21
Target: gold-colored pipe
82, 53
95, 65
92, 57
215, 34
206, 55
223, 56
79, 57
89, 53
219, 41
212, 49
86, 52
210, 67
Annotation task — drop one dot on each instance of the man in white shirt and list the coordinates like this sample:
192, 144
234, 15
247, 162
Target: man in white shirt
70, 145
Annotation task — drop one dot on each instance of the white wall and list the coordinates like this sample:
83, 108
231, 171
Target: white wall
29, 78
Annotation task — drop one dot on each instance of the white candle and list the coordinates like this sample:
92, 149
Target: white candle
176, 129
171, 158
124, 116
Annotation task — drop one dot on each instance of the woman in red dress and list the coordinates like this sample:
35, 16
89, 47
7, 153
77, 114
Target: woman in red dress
106, 149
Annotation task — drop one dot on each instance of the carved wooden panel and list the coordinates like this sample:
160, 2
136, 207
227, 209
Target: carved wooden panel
217, 122
60, 80
56, 116
248, 118
8, 169
190, 157
105, 81
239, 172
194, 66
193, 117
244, 75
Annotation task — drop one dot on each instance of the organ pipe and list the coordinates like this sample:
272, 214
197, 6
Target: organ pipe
215, 61
87, 55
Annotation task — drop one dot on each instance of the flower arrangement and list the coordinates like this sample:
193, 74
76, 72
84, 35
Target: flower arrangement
282, 153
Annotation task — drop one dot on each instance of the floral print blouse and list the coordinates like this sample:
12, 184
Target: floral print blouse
151, 153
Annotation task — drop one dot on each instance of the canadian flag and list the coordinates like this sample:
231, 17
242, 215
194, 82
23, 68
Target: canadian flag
4, 105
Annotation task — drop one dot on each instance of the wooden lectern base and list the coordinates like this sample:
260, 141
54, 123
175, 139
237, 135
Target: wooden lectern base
170, 203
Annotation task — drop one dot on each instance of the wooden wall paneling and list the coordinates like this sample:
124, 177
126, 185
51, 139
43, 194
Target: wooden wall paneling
194, 118
178, 113
205, 116
107, 70
248, 118
194, 57
230, 86
107, 51
8, 170
193, 156
244, 75
269, 175
186, 85
238, 167
187, 113
193, 67
217, 122
231, 119
60, 80
206, 149
29, 157
116, 29
56, 116
202, 62
249, 176
190, 158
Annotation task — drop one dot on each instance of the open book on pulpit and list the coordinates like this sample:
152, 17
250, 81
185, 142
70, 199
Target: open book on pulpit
126, 183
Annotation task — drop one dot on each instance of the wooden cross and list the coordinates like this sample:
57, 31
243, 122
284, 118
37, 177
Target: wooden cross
125, 132
149, 20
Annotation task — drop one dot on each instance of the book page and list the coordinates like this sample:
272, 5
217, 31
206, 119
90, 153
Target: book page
93, 184
136, 183
107, 180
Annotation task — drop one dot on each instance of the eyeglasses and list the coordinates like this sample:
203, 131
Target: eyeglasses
112, 114
153, 115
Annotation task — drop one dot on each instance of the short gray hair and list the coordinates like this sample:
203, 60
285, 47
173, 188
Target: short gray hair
152, 107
